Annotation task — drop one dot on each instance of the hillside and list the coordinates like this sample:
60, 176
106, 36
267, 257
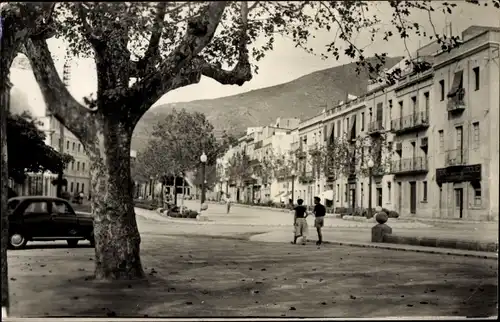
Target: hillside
303, 97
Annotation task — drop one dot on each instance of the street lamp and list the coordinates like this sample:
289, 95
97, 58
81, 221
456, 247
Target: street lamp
203, 159
370, 174
293, 183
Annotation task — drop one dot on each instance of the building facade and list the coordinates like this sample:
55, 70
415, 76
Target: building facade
440, 127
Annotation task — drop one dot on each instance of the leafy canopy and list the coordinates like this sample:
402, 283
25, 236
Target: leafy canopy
27, 149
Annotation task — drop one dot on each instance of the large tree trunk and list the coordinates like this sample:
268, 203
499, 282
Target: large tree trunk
4, 92
117, 239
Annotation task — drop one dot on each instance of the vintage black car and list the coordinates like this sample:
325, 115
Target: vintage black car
41, 218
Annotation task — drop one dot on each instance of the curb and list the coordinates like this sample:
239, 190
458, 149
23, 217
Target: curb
450, 243
409, 248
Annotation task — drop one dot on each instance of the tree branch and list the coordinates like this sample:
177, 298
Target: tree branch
152, 54
94, 40
153, 86
75, 117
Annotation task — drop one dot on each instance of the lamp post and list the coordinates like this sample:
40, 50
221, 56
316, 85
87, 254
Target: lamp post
203, 159
370, 174
293, 184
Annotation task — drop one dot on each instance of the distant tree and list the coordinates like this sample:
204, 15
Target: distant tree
239, 169
27, 149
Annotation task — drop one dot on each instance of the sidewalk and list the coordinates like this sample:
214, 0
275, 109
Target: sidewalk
359, 236
346, 238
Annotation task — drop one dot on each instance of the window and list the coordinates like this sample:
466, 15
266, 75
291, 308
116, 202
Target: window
441, 140
347, 124
36, 207
475, 130
78, 166
362, 194
74, 145
71, 187
477, 193
346, 192
476, 78
60, 208
440, 196
362, 121
424, 186
389, 192
67, 145
58, 143
441, 89
379, 197
83, 166
427, 104
79, 147
414, 104
337, 192
339, 127
72, 165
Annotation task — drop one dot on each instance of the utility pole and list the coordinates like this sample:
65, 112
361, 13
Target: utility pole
66, 79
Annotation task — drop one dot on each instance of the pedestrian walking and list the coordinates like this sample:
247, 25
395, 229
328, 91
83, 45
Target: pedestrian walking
319, 221
299, 222
228, 203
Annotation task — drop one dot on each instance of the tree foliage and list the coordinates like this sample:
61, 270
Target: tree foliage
34, 156
239, 169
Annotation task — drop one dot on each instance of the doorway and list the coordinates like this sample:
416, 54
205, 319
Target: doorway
459, 202
413, 197
352, 196
400, 197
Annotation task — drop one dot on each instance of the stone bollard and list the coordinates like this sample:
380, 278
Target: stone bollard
378, 231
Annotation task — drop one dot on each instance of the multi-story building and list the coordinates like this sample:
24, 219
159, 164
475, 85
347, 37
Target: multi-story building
465, 122
30, 99
439, 127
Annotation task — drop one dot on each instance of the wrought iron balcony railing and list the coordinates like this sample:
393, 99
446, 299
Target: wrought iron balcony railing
456, 102
410, 165
456, 157
410, 122
375, 126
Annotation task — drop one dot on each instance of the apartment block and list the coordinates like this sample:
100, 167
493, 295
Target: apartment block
440, 127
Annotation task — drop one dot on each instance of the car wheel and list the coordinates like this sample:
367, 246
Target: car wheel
17, 241
72, 242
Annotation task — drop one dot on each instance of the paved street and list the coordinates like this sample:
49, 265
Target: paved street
339, 229
212, 269
201, 276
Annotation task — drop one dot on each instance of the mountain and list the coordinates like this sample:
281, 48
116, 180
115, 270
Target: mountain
303, 97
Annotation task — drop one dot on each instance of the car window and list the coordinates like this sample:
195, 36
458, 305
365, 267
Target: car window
36, 207
60, 207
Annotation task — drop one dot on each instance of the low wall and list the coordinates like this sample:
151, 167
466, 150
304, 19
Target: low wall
441, 242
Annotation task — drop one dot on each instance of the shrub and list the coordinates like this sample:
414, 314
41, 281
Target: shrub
270, 203
392, 214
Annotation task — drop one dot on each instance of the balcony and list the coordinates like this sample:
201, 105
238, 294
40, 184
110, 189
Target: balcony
456, 103
409, 123
410, 166
375, 127
306, 177
456, 157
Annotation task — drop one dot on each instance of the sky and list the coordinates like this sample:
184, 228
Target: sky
283, 64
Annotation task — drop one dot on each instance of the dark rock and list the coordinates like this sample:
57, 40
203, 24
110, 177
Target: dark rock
263, 269
352, 297
424, 302
111, 314
378, 232
13, 279
409, 305
292, 308
323, 303
189, 303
